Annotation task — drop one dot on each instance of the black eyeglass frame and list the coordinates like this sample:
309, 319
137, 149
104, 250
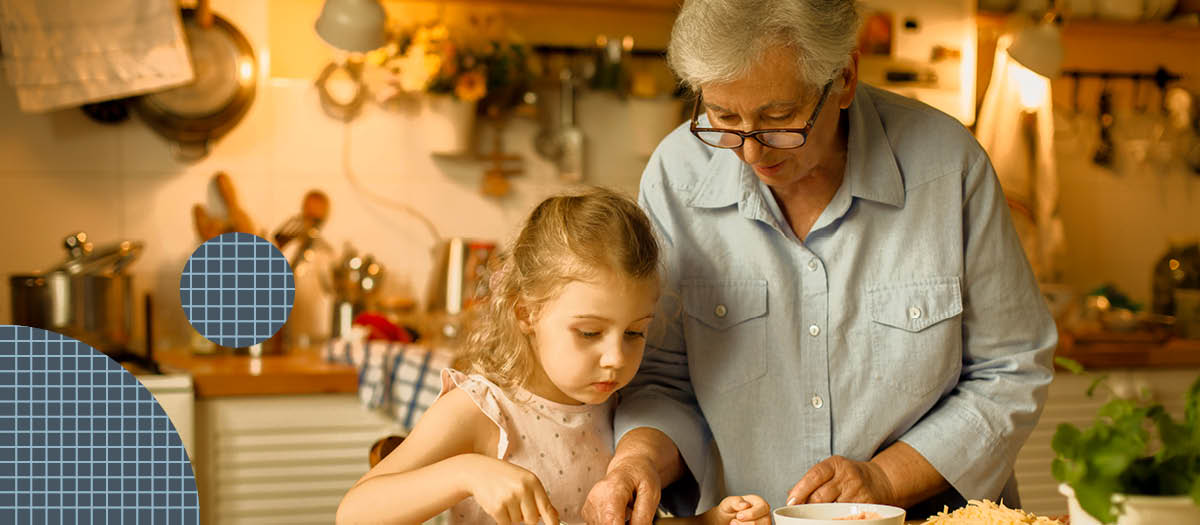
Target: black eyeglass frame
755, 133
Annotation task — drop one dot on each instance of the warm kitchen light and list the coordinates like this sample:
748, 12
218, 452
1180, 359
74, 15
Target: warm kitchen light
1032, 87
246, 70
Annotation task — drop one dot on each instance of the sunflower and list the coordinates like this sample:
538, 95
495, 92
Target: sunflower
471, 86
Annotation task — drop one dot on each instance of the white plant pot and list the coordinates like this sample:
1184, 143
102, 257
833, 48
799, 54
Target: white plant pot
447, 124
1138, 510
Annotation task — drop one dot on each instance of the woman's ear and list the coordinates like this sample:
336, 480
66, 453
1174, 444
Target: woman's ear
847, 82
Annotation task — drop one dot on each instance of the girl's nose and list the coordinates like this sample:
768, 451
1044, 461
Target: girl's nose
613, 356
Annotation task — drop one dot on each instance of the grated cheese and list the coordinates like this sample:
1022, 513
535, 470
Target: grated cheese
987, 513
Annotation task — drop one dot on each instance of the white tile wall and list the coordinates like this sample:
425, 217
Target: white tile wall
61, 172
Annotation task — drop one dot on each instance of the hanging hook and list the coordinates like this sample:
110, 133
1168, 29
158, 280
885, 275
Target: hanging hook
1139, 104
1075, 92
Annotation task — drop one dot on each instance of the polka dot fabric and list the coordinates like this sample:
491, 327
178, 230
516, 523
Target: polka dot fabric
568, 447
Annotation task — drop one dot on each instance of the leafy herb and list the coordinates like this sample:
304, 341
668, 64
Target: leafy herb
1133, 447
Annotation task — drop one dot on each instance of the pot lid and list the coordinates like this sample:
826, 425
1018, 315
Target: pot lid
84, 257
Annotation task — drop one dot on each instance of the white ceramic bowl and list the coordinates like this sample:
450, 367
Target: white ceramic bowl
825, 514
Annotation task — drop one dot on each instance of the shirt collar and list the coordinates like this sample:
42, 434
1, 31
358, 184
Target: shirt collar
871, 168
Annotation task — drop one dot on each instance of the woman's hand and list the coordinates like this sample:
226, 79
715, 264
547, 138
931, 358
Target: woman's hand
630, 479
508, 493
739, 510
843, 480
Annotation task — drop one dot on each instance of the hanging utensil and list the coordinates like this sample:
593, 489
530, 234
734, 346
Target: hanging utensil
570, 164
546, 143
314, 210
1105, 151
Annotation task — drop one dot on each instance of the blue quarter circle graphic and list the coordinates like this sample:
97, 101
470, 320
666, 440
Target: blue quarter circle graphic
83, 441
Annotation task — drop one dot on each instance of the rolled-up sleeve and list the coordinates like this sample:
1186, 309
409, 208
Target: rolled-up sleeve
661, 395
1008, 345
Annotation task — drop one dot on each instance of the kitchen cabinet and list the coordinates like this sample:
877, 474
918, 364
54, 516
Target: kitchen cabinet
1067, 402
281, 458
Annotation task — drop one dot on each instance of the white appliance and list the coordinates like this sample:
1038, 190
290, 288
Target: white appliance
174, 393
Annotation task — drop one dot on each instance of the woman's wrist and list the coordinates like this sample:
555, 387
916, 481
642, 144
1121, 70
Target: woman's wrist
920, 479
649, 448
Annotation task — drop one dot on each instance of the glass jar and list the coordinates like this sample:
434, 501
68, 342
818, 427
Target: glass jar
1178, 268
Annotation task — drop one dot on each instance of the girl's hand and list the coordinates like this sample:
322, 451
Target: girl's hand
739, 510
510, 494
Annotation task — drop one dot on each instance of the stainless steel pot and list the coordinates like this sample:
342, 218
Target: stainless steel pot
88, 296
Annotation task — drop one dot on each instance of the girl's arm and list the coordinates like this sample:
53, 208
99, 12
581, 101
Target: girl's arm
430, 471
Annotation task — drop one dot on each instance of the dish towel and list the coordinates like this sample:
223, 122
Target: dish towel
64, 53
1017, 130
400, 379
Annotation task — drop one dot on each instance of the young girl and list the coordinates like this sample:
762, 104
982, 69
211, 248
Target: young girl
525, 436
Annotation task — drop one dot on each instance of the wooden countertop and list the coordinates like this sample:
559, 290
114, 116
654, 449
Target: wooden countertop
1129, 350
299, 371
303, 371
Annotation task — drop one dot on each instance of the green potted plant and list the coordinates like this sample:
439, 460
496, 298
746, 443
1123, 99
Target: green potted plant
1135, 465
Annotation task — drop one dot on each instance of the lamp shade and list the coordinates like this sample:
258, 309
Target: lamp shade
1039, 48
353, 25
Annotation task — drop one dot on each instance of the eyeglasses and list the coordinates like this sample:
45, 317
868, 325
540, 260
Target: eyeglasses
781, 138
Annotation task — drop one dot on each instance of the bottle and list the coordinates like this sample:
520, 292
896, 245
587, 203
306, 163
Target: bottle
1178, 268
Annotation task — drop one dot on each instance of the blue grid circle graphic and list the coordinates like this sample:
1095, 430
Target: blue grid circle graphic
237, 289
82, 441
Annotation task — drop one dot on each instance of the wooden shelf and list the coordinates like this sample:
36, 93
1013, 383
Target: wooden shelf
1129, 350
1096, 27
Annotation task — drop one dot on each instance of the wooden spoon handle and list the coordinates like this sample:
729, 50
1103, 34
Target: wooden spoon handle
204, 15
238, 219
204, 223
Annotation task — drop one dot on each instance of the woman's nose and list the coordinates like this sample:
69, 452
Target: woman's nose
752, 150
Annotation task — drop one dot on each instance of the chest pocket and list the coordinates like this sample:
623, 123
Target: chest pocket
916, 334
725, 325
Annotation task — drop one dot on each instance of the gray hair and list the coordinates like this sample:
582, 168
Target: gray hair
717, 41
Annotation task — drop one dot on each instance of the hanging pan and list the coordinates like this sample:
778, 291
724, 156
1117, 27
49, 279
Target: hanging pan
193, 115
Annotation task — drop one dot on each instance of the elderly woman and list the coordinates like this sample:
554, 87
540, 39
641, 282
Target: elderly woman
849, 315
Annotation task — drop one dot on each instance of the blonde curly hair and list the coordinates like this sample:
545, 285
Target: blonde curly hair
567, 238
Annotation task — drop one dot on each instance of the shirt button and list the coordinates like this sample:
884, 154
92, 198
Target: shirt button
812, 265
817, 402
814, 330
720, 310
914, 312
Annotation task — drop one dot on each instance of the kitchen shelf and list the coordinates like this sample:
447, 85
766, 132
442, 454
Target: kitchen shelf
1139, 350
641, 5
1095, 27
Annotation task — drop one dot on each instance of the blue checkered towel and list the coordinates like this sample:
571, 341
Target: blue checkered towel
400, 379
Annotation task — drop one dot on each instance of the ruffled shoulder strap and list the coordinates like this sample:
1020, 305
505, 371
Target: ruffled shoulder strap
485, 395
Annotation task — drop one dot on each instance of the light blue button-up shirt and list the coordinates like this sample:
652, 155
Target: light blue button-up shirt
908, 313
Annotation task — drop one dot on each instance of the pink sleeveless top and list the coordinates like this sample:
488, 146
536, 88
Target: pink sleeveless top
568, 447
